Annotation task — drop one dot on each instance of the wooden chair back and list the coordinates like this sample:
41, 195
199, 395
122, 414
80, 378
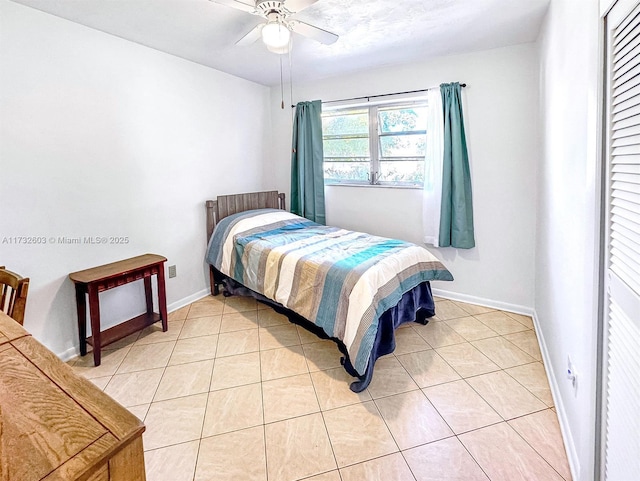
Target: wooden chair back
13, 294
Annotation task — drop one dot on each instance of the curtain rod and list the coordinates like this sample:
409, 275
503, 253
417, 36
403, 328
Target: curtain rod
380, 95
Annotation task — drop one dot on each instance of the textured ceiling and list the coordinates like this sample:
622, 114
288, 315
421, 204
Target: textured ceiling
372, 33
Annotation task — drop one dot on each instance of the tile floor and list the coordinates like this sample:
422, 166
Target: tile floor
233, 391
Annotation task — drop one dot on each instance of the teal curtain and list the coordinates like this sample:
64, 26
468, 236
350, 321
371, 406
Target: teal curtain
307, 176
456, 210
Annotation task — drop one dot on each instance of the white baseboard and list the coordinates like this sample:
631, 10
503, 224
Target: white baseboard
480, 301
69, 353
185, 301
569, 444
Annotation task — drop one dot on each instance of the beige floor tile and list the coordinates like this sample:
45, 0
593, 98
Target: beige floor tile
173, 463
289, 397
306, 336
263, 307
101, 382
179, 314
185, 380
110, 361
332, 389
297, 448
470, 328
283, 362
467, 360
233, 457
526, 321
392, 468
504, 353
542, 431
235, 371
443, 460
194, 349
139, 411
505, 395
412, 419
505, 456
174, 421
330, 476
238, 342
147, 356
408, 340
446, 310
322, 355
154, 333
235, 304
527, 341
268, 317
461, 407
209, 306
274, 337
309, 377
500, 322
427, 368
473, 309
134, 388
233, 409
534, 378
389, 377
358, 433
438, 334
238, 321
201, 326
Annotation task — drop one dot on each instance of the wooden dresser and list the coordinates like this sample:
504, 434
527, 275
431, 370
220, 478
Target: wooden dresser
56, 425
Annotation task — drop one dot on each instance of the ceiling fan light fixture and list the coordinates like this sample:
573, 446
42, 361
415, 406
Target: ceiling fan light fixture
276, 36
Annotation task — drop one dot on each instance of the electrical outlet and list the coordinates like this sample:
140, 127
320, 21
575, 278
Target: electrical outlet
572, 375
172, 271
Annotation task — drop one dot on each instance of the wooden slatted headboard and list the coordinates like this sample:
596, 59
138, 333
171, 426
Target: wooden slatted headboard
226, 205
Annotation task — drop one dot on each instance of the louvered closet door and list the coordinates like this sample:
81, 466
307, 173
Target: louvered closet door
622, 278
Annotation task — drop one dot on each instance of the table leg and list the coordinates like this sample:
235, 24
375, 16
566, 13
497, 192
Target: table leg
94, 312
81, 306
148, 296
162, 297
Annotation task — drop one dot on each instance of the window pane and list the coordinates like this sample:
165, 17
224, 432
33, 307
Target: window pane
345, 171
410, 171
412, 145
346, 147
402, 119
354, 122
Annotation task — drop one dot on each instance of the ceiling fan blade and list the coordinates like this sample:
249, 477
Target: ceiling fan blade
245, 7
298, 5
315, 33
251, 37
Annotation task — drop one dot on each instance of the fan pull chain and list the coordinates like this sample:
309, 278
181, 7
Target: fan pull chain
281, 85
291, 84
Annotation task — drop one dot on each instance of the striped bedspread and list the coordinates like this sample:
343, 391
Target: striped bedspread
342, 281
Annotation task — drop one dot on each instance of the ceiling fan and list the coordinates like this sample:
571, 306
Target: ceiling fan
276, 31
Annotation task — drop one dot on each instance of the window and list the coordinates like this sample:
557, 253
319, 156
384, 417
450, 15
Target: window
378, 144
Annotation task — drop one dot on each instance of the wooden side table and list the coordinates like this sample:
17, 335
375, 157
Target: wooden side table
97, 279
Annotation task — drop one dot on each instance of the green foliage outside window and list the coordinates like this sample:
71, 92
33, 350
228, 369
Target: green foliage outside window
398, 144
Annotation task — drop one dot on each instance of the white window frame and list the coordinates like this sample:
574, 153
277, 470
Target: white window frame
375, 145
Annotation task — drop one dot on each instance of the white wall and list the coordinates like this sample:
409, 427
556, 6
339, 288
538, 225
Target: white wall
104, 137
566, 240
501, 109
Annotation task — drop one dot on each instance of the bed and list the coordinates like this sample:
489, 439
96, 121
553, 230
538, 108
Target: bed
351, 287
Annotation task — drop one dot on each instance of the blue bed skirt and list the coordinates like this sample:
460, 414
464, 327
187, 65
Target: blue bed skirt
416, 305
